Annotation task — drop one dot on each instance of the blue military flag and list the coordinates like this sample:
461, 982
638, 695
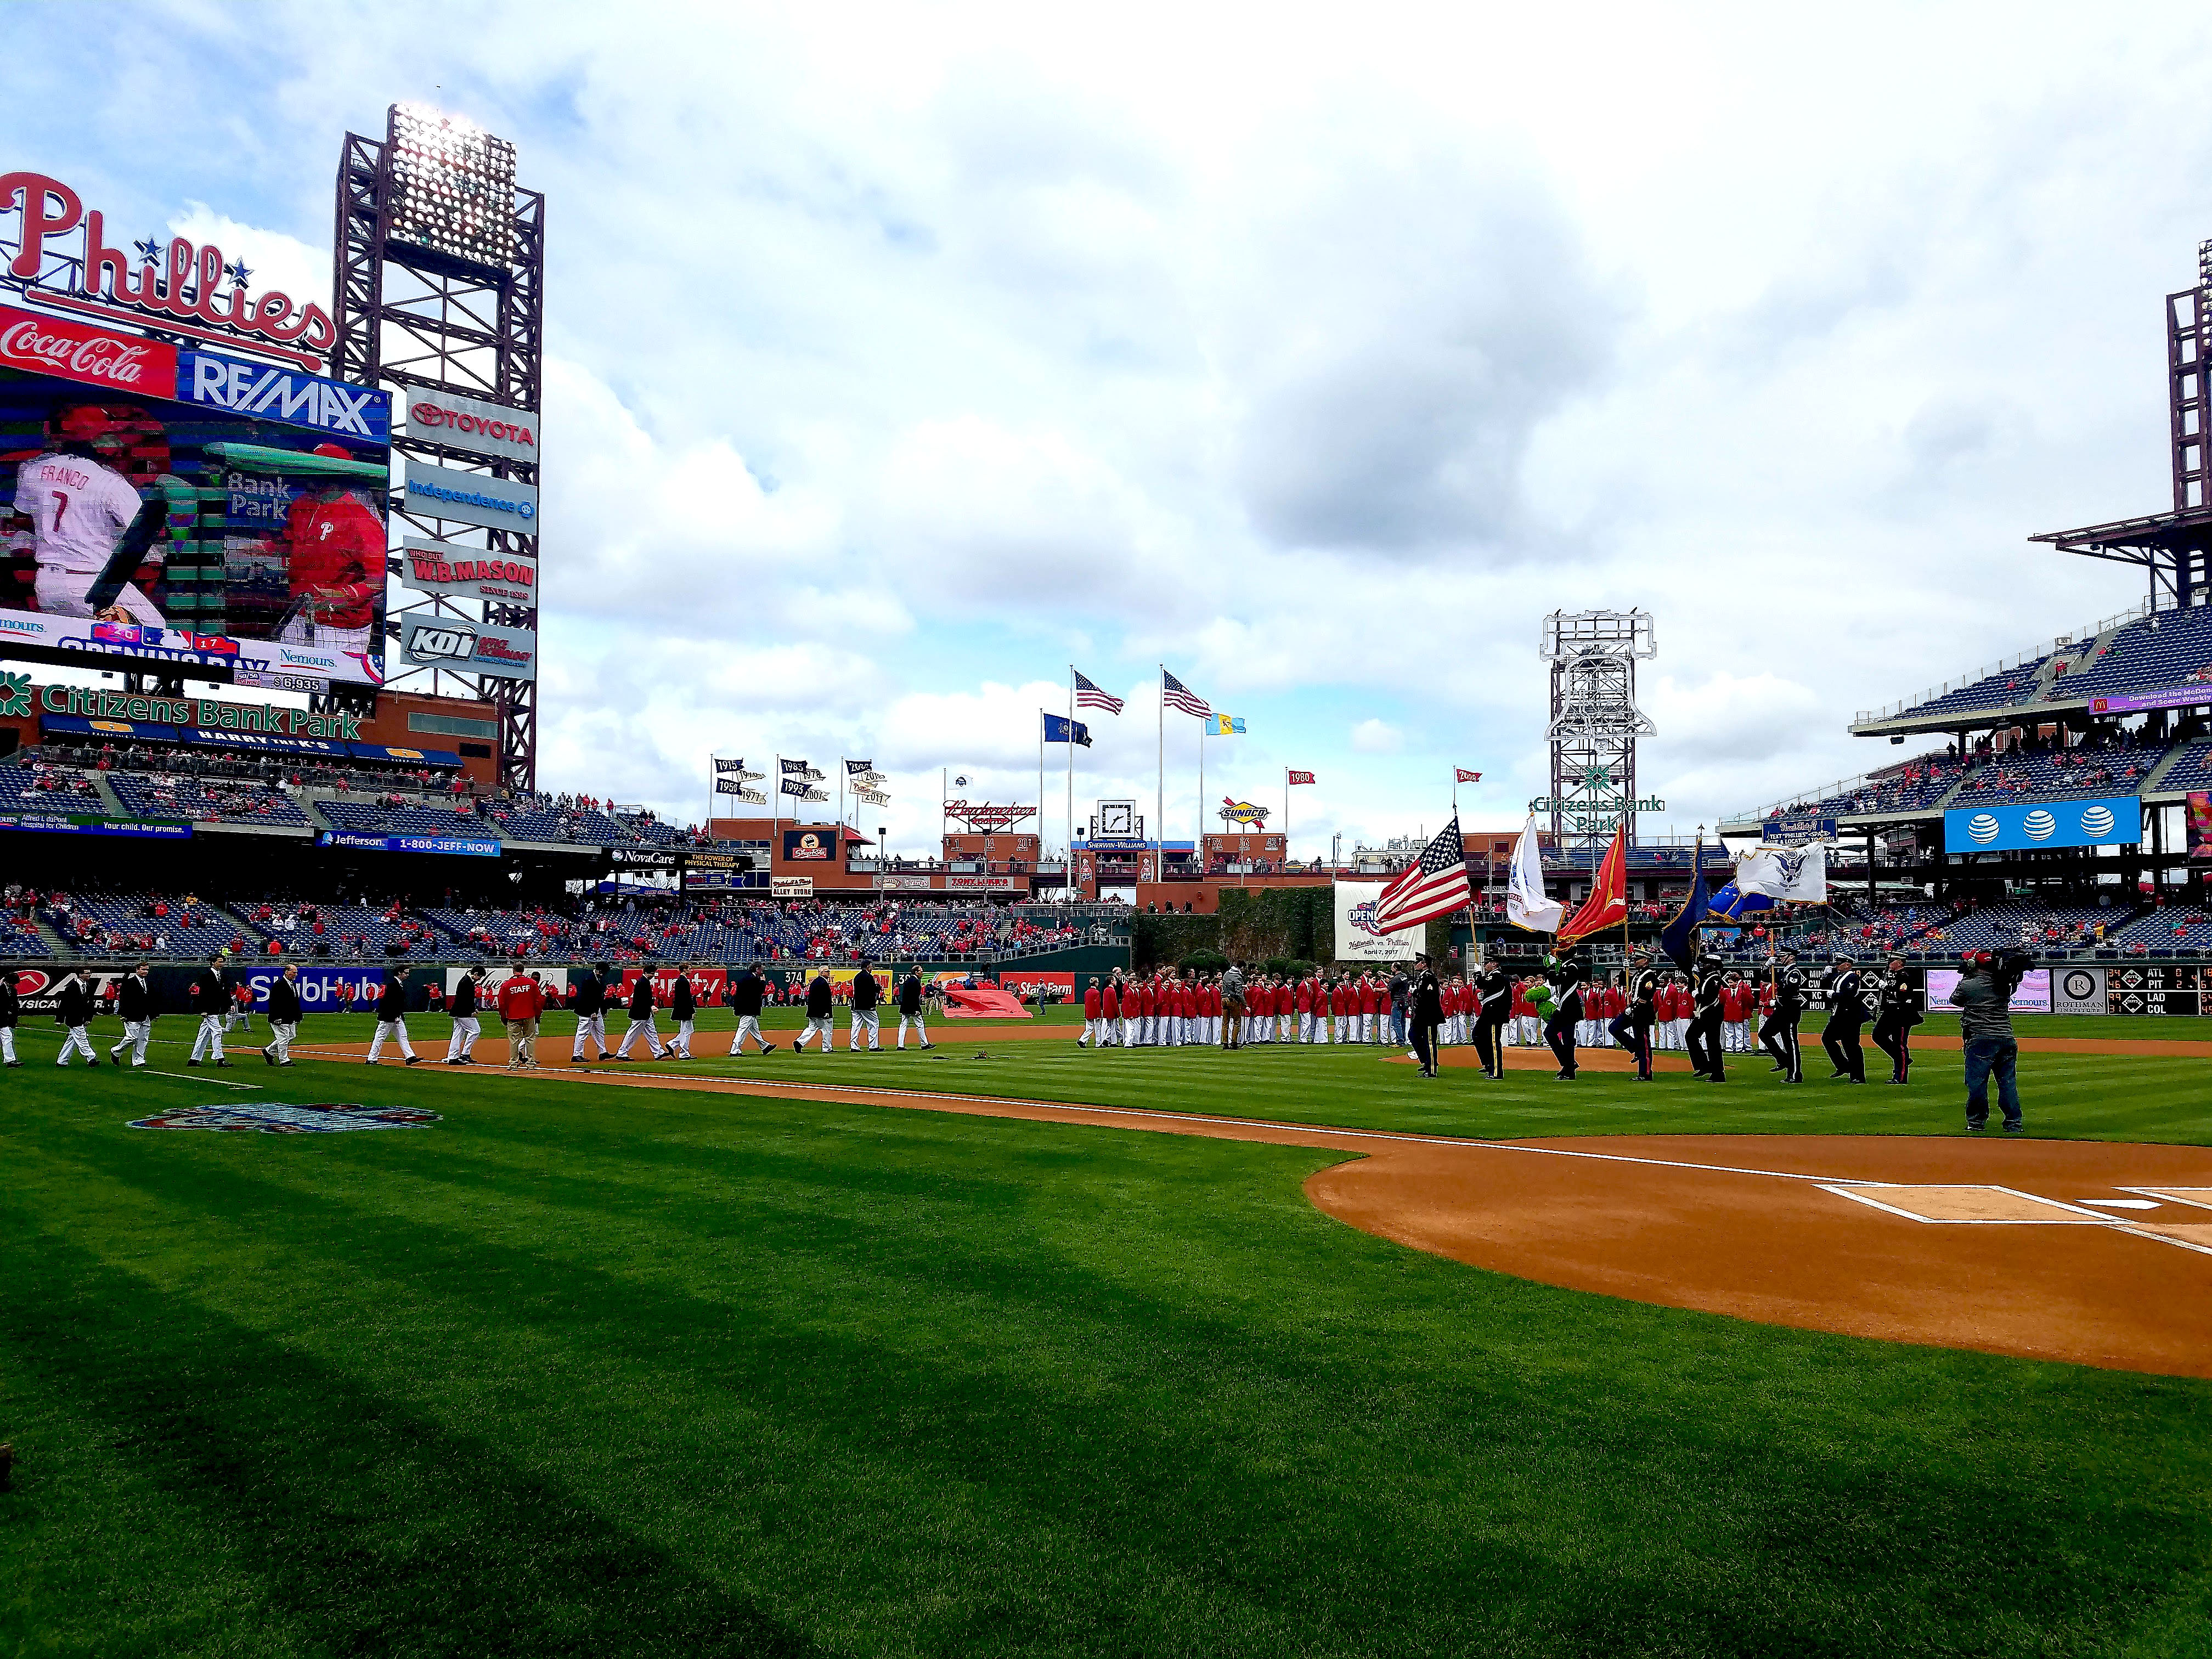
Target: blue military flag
1733, 904
1678, 938
1058, 728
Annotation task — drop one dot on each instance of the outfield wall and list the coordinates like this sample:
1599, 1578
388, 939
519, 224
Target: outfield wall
321, 981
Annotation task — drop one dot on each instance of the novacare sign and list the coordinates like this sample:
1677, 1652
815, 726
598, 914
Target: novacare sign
438, 492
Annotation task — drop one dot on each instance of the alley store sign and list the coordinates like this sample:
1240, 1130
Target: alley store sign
172, 285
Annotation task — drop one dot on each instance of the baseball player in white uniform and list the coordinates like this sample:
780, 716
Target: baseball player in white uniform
79, 509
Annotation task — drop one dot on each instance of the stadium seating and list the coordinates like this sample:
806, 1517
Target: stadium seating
48, 789
220, 799
125, 925
380, 818
2170, 648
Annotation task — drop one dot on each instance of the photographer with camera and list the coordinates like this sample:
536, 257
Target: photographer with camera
1983, 1000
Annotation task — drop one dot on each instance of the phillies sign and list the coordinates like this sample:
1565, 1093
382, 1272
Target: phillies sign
72, 352
171, 285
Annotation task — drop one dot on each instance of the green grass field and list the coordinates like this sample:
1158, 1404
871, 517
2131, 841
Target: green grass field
588, 1371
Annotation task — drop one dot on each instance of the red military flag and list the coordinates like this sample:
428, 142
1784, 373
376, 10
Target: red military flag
1434, 886
1608, 904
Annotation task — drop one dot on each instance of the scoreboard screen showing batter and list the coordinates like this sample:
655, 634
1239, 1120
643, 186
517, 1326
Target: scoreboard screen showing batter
215, 518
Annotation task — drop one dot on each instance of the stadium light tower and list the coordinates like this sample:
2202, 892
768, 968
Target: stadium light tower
439, 293
1594, 723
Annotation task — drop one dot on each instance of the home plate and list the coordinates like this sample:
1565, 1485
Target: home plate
1999, 1205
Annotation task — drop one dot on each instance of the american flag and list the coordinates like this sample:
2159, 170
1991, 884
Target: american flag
1434, 887
1088, 696
1176, 695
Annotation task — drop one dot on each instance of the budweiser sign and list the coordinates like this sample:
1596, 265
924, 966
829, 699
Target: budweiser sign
174, 286
983, 815
75, 351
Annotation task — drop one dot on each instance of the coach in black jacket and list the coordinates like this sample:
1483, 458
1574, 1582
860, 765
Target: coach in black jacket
283, 1015
591, 1005
866, 992
684, 1005
746, 993
73, 1009
134, 1001
819, 1019
640, 1018
11, 1011
392, 1019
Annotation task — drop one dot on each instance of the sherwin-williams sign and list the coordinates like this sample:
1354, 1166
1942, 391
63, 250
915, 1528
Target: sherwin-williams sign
2015, 826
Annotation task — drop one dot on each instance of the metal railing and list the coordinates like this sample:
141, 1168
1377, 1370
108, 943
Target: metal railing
2063, 642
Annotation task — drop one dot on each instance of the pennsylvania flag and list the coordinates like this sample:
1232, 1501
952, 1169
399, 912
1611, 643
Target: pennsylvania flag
1058, 728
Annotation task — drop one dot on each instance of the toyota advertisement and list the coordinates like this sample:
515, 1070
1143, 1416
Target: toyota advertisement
166, 505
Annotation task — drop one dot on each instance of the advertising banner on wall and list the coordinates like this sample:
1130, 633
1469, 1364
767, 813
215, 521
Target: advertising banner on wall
791, 887
708, 984
443, 492
2033, 996
470, 424
147, 527
2077, 991
470, 647
1357, 940
361, 841
2013, 826
1796, 831
809, 846
554, 979
467, 573
322, 990
68, 824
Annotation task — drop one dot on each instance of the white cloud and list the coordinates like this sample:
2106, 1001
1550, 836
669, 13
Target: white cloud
1376, 738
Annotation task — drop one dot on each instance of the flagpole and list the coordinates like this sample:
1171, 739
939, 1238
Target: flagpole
1623, 901
1160, 802
775, 811
1203, 864
1286, 815
1041, 793
1070, 767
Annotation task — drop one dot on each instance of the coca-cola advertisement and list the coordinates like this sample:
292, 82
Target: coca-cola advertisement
95, 356
184, 511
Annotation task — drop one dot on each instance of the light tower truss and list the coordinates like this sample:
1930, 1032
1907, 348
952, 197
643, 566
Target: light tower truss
1594, 723
439, 285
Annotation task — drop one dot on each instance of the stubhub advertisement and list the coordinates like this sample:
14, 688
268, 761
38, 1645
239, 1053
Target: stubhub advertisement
2102, 821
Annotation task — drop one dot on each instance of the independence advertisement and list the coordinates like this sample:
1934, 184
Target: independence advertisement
186, 508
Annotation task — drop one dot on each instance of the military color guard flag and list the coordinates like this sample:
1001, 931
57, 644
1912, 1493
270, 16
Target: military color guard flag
1434, 887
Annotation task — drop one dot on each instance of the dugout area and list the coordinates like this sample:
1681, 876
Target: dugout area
688, 1362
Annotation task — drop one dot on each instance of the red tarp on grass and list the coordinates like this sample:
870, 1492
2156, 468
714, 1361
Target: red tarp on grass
986, 1002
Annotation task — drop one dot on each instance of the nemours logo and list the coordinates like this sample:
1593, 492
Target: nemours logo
270, 1117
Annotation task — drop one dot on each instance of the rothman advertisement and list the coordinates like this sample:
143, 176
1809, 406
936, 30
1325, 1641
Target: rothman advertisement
187, 509
1356, 940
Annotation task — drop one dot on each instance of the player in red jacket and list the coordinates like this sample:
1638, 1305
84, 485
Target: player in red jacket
334, 543
1092, 1005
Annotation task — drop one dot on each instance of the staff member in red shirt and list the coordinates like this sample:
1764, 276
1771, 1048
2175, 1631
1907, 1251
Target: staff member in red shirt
1109, 1011
520, 1001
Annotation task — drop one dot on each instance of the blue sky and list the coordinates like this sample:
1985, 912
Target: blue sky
900, 357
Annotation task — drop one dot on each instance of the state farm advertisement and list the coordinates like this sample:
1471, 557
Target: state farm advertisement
468, 573
73, 351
